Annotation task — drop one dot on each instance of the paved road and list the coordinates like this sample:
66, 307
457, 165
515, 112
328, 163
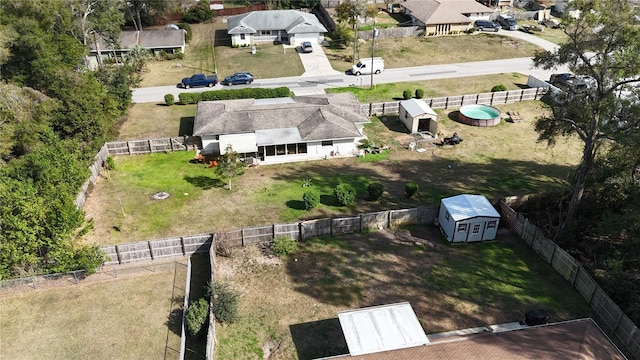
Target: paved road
315, 79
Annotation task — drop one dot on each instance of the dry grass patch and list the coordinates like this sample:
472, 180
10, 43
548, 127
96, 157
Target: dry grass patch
123, 318
152, 121
417, 51
288, 308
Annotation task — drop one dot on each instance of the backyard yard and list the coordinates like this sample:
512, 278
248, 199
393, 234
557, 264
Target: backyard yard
495, 161
289, 306
132, 313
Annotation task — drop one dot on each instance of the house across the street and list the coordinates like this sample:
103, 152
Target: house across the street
169, 40
286, 26
283, 129
468, 218
441, 17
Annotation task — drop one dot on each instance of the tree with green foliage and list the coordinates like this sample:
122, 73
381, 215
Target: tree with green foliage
143, 10
411, 189
375, 191
603, 43
138, 57
198, 13
341, 36
229, 165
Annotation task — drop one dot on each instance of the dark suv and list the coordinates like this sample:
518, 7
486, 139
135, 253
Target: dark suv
238, 78
508, 23
485, 25
568, 81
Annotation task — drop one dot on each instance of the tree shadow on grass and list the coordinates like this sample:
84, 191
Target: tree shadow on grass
319, 339
329, 200
174, 320
186, 125
295, 204
204, 182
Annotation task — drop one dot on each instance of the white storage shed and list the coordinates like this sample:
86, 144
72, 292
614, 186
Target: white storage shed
417, 116
468, 218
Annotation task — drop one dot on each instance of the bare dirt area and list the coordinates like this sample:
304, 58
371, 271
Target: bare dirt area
289, 307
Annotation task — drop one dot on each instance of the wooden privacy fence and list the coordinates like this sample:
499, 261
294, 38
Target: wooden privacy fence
448, 102
136, 147
397, 32
610, 315
98, 164
186, 245
211, 330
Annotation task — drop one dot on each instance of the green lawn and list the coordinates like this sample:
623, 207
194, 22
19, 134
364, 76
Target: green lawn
291, 309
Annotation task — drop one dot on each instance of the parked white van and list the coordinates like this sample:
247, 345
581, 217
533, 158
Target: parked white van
368, 65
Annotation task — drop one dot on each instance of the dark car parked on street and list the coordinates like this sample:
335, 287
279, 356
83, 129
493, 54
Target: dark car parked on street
486, 25
238, 78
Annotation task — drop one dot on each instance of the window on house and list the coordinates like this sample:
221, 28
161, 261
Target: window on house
476, 228
279, 149
327, 143
491, 224
265, 32
302, 148
462, 227
270, 150
291, 149
242, 36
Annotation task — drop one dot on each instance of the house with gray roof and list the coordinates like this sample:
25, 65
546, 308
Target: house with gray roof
441, 17
169, 40
282, 130
286, 26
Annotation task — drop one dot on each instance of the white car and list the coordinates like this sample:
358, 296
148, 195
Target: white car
306, 47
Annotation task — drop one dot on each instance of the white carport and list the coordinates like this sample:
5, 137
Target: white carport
381, 328
417, 116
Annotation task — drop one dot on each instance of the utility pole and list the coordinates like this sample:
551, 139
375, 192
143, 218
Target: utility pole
374, 33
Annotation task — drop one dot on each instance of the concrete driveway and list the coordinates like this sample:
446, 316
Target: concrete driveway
547, 45
316, 63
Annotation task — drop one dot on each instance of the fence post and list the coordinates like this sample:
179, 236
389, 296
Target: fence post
150, 147
301, 231
553, 253
370, 109
128, 148
521, 94
242, 236
150, 249
477, 98
506, 98
446, 102
574, 279
383, 105
118, 255
184, 250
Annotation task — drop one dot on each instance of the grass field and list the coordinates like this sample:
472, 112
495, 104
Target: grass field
128, 317
496, 161
289, 307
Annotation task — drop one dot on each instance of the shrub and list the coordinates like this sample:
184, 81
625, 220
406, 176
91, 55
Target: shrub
110, 164
246, 93
169, 99
311, 199
411, 188
499, 87
283, 246
197, 315
198, 13
406, 94
345, 194
375, 191
419, 93
224, 302
189, 34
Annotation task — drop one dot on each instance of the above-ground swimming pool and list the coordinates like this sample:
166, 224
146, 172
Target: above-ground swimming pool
479, 115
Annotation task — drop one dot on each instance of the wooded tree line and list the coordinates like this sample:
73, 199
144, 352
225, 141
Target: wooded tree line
598, 220
54, 116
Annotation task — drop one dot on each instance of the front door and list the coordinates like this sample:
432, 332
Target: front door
475, 232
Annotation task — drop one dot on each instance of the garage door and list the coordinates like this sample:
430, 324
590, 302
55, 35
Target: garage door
312, 38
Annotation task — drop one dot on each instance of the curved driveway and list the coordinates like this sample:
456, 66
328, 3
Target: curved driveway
319, 75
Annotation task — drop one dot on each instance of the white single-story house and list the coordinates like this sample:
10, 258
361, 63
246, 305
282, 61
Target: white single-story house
417, 116
169, 40
284, 129
441, 17
468, 218
286, 26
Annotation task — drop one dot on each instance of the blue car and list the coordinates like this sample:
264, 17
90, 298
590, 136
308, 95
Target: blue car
238, 78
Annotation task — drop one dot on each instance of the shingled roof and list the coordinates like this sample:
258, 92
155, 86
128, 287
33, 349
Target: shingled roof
293, 21
579, 339
434, 12
317, 117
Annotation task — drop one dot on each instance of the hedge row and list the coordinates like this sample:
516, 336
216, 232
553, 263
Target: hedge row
246, 93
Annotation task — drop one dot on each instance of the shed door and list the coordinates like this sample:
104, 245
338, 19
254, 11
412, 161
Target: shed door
475, 231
